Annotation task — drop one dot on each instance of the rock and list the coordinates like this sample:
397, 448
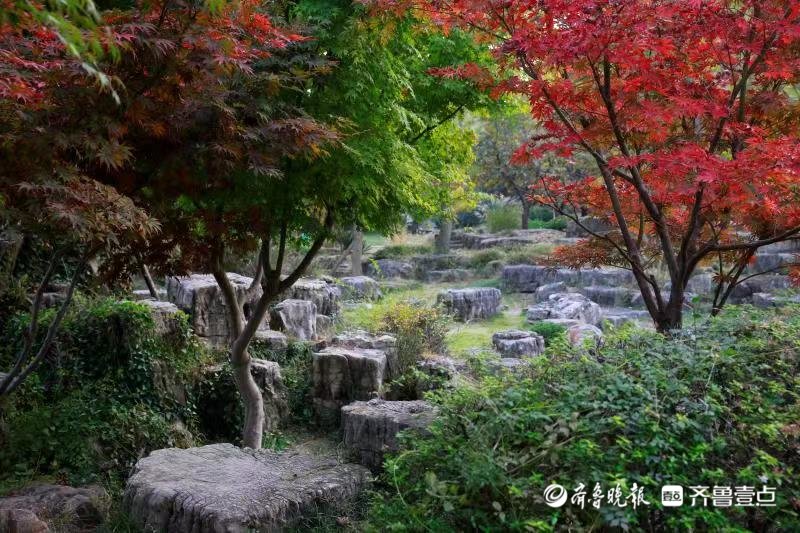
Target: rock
297, 318
362, 339
59, 507
424, 264
763, 299
476, 241
470, 304
199, 296
617, 317
166, 316
325, 295
571, 306
267, 375
609, 296
389, 269
371, 428
580, 334
21, 521
144, 294
544, 291
768, 261
440, 366
447, 276
343, 375
594, 224
274, 341
324, 326
361, 288
507, 364
518, 343
224, 489
565, 323
528, 278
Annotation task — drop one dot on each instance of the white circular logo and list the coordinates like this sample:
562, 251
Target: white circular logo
555, 495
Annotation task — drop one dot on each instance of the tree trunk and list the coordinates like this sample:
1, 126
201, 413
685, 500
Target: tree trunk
526, 214
443, 240
148, 280
356, 251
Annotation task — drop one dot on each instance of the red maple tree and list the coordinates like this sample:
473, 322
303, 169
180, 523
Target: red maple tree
689, 110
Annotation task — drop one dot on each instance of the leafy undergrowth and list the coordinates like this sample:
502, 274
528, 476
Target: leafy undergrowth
718, 405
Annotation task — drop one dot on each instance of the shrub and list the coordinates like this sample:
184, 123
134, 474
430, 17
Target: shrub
559, 223
502, 217
528, 254
418, 330
548, 330
482, 258
396, 251
113, 391
716, 406
542, 213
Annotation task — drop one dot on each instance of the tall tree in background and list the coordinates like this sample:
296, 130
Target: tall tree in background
689, 111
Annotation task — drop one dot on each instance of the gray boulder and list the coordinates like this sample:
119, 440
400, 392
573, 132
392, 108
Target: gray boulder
581, 334
617, 317
361, 288
543, 292
53, 507
571, 306
275, 341
144, 294
297, 318
517, 343
471, 304
166, 316
224, 489
325, 326
370, 428
447, 276
325, 295
199, 296
763, 299
343, 375
609, 296
389, 269
364, 340
528, 278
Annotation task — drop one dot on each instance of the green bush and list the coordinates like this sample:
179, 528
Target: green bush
716, 406
398, 251
559, 223
418, 330
502, 217
528, 254
482, 258
112, 391
542, 213
548, 330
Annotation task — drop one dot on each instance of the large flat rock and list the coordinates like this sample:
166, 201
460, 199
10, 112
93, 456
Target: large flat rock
224, 489
45, 507
471, 303
371, 428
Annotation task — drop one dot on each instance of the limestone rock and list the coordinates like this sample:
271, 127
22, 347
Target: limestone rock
609, 296
144, 294
763, 299
473, 303
543, 292
324, 326
199, 296
389, 269
324, 294
361, 288
343, 375
371, 428
267, 375
362, 339
38, 507
580, 334
166, 316
518, 343
618, 317
275, 341
447, 276
571, 306
223, 489
528, 278
297, 318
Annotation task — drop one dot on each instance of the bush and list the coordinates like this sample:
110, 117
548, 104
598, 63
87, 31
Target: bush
541, 213
398, 251
717, 406
502, 217
418, 330
113, 391
528, 254
482, 258
548, 330
559, 223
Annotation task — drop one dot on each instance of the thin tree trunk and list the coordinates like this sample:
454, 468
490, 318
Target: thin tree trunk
526, 214
443, 241
356, 252
148, 280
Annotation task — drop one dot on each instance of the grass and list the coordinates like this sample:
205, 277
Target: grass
464, 338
